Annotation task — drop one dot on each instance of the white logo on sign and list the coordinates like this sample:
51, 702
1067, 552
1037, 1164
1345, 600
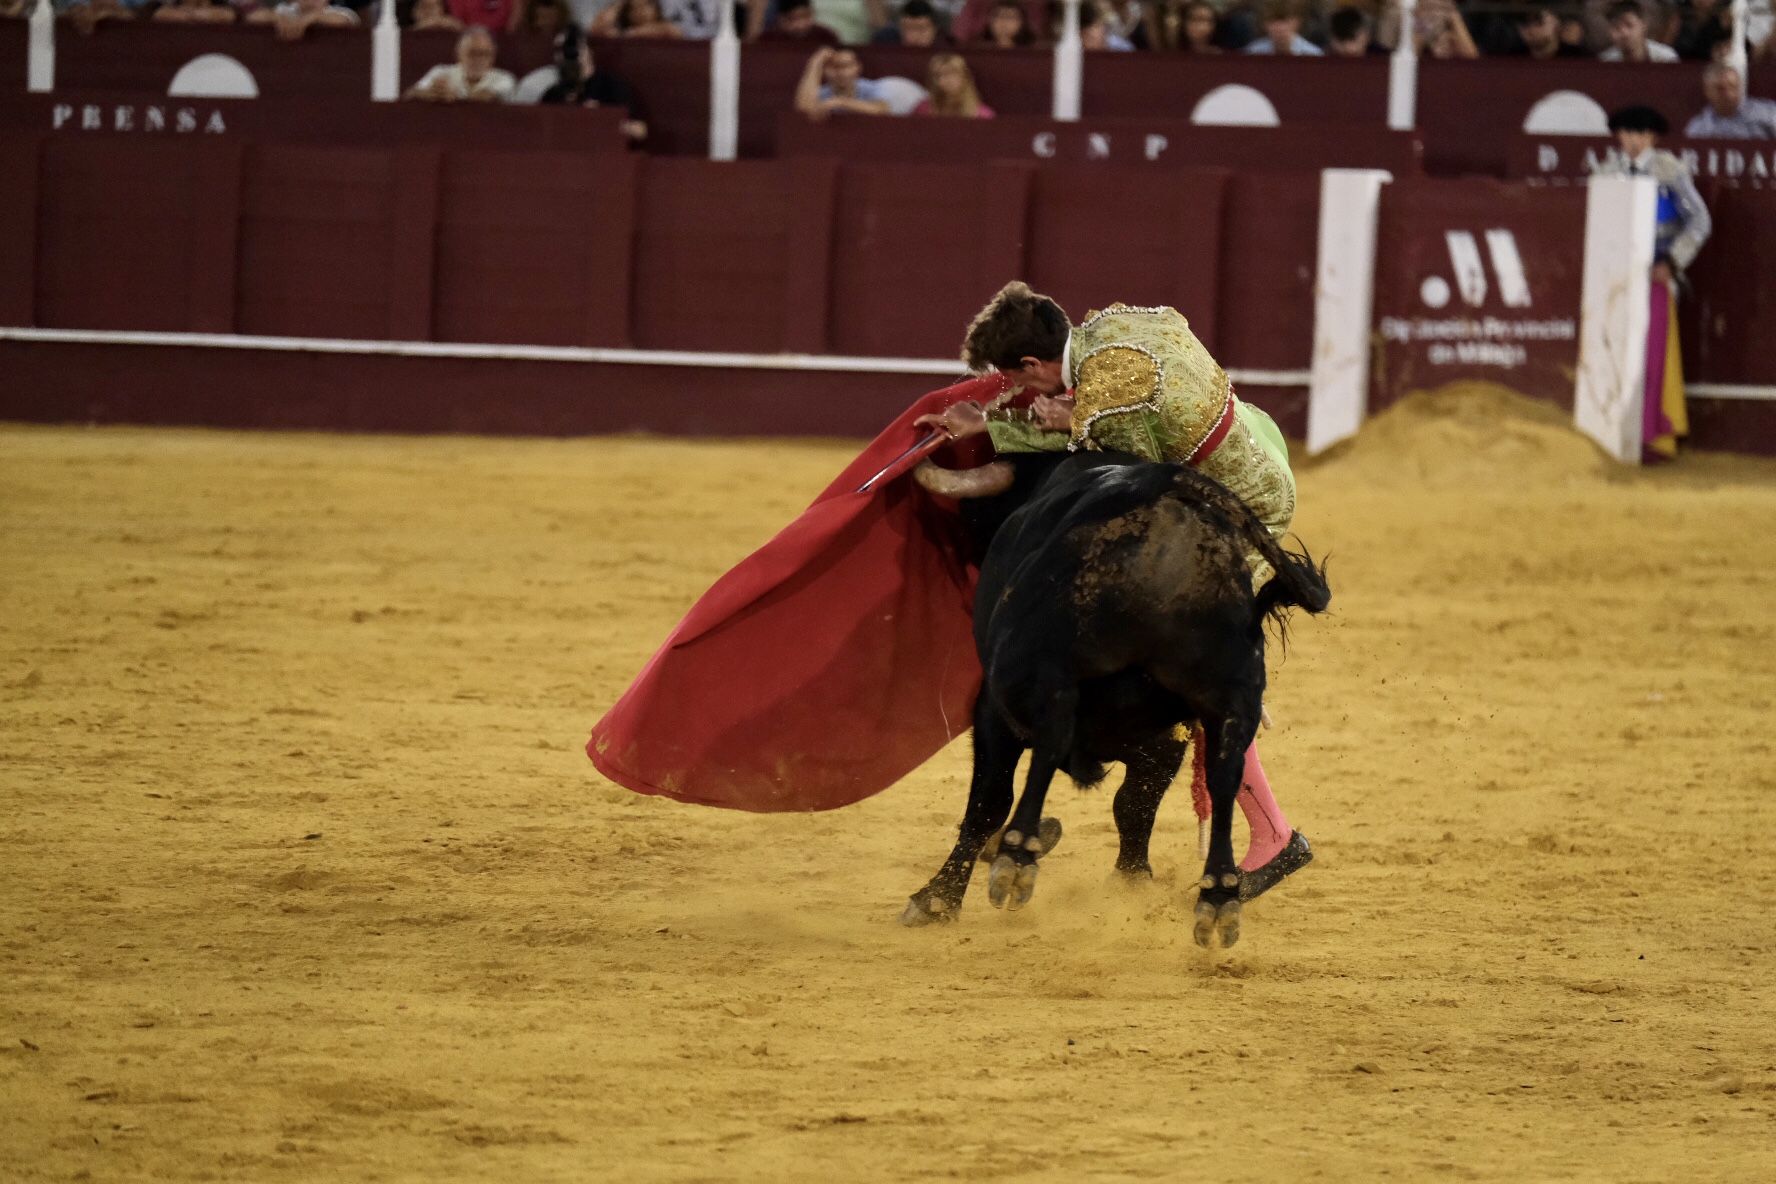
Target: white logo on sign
1470, 271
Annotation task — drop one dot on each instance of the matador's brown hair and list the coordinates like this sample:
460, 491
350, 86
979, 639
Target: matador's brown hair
1016, 323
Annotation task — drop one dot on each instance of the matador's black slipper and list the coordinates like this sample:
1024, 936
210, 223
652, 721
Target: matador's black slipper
1294, 856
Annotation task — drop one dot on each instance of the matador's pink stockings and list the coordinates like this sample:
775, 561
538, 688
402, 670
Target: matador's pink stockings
1270, 829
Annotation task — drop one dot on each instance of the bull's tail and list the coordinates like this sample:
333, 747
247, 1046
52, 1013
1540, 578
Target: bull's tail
1297, 582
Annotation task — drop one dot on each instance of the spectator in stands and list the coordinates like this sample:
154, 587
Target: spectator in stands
1120, 18
1196, 29
1094, 29
1008, 26
86, 14
970, 23
635, 18
195, 12
581, 83
1538, 36
293, 18
1729, 114
547, 17
1437, 28
472, 78
1349, 34
1447, 33
952, 88
915, 28
1698, 27
496, 16
795, 24
833, 83
1628, 35
1282, 31
430, 15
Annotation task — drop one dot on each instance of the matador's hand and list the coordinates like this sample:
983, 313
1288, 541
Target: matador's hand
1055, 414
963, 419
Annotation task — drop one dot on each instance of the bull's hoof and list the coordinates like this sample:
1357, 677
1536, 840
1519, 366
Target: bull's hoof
1217, 922
928, 911
1048, 833
1010, 884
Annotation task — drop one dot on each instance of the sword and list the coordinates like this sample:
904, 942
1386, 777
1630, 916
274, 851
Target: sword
929, 443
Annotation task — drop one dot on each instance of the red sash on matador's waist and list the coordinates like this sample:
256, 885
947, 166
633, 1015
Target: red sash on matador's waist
829, 663
1217, 433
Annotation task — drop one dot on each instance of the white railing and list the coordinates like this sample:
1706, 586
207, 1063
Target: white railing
1069, 66
1403, 73
385, 56
724, 88
40, 57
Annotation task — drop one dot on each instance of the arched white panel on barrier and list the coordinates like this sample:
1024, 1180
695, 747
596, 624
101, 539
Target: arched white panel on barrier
1234, 105
901, 94
531, 87
213, 76
1566, 113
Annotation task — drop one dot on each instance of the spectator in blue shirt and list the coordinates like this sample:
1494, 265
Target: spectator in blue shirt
1729, 114
833, 83
1282, 32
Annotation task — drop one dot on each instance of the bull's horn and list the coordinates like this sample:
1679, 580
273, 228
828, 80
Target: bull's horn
985, 481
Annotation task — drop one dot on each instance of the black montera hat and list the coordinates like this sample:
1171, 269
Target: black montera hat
1638, 119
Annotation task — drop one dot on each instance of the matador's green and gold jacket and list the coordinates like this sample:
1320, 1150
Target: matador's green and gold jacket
1145, 385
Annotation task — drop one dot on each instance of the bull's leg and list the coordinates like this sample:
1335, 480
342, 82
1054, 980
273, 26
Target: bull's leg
1218, 905
996, 753
1150, 772
1012, 879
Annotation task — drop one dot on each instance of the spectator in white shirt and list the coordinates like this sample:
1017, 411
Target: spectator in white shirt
1282, 29
1729, 114
470, 79
296, 17
1628, 31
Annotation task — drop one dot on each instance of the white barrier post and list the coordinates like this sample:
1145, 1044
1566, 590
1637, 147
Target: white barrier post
385, 56
1344, 305
1736, 55
1069, 65
1403, 73
40, 56
1613, 312
724, 88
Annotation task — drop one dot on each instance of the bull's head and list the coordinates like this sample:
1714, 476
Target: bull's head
986, 481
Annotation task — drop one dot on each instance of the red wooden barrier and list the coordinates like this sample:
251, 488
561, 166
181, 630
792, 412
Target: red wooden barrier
1472, 114
1477, 280
1161, 142
143, 57
328, 120
539, 248
1733, 295
1113, 230
1269, 241
14, 39
1302, 90
534, 249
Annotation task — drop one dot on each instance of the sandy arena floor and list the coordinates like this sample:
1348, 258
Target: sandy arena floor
305, 877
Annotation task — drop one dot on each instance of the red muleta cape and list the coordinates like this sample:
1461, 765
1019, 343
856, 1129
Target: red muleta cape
829, 663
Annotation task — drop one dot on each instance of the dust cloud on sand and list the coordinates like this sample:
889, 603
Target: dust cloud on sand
305, 876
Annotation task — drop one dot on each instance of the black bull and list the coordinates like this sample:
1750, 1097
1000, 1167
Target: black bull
1115, 607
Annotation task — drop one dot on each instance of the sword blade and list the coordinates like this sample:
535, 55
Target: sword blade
930, 442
